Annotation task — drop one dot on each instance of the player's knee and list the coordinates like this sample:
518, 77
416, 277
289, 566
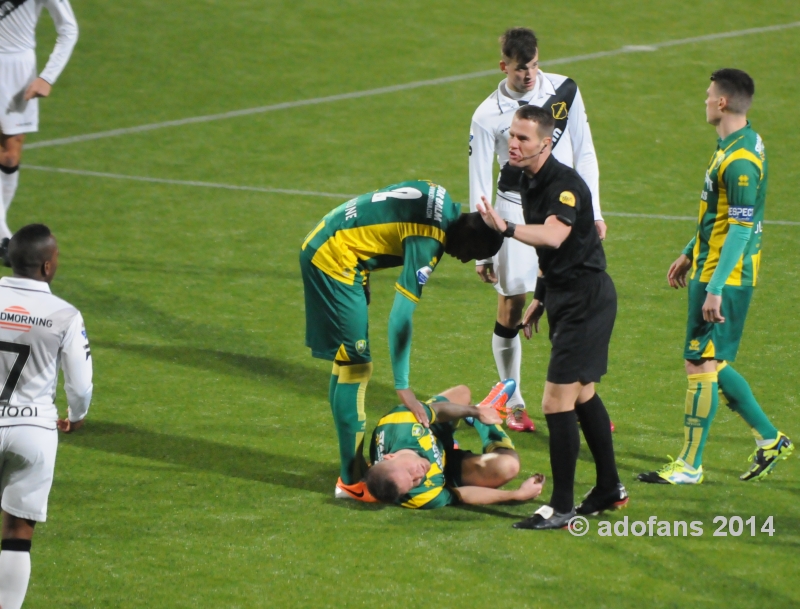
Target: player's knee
507, 468
17, 528
460, 394
355, 373
9, 161
551, 405
10, 155
509, 310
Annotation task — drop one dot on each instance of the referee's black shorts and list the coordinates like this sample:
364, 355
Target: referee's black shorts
581, 318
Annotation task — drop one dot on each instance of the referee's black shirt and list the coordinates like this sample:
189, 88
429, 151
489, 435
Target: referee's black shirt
558, 190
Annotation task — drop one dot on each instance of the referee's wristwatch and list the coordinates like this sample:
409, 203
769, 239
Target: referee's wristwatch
510, 228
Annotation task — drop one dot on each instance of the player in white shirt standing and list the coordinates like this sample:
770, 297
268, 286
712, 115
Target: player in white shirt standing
20, 86
514, 269
40, 334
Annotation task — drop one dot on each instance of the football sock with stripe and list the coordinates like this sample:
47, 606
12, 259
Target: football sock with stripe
596, 428
350, 419
741, 400
15, 571
492, 437
701, 407
507, 349
565, 442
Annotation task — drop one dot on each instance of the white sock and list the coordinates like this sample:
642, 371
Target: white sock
8, 184
508, 358
5, 232
15, 571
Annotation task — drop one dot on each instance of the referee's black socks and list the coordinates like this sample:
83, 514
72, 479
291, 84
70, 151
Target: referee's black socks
565, 442
596, 427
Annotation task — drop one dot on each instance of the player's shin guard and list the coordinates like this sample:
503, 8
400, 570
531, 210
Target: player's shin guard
741, 400
596, 427
701, 407
15, 571
507, 349
565, 442
492, 437
350, 419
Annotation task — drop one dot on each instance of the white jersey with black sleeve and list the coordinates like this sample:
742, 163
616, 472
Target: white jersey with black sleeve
40, 334
18, 19
489, 139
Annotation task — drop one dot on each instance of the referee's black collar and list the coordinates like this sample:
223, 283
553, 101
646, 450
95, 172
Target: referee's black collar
542, 176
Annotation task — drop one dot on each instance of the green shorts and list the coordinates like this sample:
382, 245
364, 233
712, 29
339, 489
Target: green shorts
336, 316
716, 341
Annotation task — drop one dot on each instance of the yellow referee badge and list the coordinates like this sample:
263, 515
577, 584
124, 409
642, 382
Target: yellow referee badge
567, 198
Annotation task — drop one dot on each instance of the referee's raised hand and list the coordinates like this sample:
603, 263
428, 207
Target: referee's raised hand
490, 216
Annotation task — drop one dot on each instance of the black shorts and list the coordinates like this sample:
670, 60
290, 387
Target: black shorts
453, 457
581, 319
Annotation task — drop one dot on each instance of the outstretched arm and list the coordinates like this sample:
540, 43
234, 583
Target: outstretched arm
478, 495
447, 411
400, 354
550, 234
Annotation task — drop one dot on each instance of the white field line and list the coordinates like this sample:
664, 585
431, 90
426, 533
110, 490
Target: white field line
312, 193
402, 87
119, 176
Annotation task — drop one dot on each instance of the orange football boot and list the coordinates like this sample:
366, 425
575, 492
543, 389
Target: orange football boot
356, 492
499, 396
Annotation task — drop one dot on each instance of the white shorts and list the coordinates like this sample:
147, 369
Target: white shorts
27, 462
17, 71
516, 264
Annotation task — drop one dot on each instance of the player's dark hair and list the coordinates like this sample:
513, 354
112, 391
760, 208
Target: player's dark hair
380, 485
469, 234
28, 249
737, 87
545, 123
519, 44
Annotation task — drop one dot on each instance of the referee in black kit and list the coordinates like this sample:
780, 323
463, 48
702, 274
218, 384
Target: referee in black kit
581, 305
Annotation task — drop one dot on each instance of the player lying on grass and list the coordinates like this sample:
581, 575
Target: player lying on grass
420, 467
410, 225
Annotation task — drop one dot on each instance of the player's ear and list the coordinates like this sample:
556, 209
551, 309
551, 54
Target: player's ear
389, 456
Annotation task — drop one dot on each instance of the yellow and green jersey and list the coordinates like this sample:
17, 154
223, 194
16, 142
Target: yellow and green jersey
400, 225
400, 430
734, 193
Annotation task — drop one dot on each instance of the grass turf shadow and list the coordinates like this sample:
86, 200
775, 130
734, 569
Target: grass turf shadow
300, 379
214, 457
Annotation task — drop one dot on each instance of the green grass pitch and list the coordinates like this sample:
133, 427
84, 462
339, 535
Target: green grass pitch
205, 474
